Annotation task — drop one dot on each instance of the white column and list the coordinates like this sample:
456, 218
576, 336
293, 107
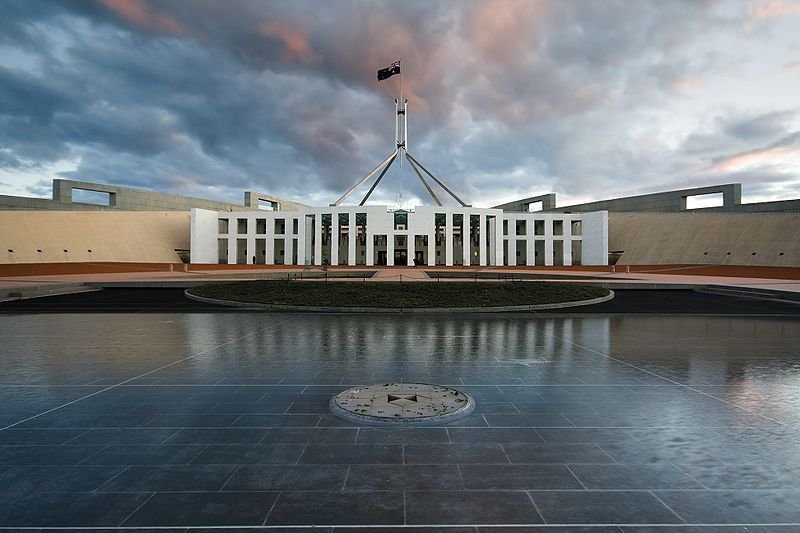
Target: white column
530, 241
301, 240
318, 238
308, 238
370, 252
335, 238
512, 242
548, 242
432, 247
251, 240
482, 240
493, 241
448, 239
411, 248
466, 242
389, 248
288, 244
351, 240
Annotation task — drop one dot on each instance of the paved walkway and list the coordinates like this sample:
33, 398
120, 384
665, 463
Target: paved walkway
782, 279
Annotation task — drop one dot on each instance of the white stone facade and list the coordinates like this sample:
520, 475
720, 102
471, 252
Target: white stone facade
376, 235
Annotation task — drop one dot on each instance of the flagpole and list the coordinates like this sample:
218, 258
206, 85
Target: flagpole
402, 104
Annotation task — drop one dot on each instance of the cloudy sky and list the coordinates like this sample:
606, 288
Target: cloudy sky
508, 98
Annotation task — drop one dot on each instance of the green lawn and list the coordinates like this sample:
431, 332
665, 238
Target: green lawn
396, 295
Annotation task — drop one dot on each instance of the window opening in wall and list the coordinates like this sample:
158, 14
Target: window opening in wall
558, 227
267, 205
295, 226
241, 251
558, 253
458, 239
576, 228
222, 251
522, 227
241, 226
699, 201
261, 251
224, 224
379, 249
577, 249
522, 253
400, 220
261, 226
534, 206
538, 227
280, 226
400, 251
84, 196
505, 227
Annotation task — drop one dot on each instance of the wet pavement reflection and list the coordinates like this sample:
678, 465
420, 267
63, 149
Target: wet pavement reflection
192, 420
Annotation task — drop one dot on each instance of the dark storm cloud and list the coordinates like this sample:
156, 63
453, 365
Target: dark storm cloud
214, 97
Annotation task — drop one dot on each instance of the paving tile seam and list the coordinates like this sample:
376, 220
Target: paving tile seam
671, 510
141, 375
137, 509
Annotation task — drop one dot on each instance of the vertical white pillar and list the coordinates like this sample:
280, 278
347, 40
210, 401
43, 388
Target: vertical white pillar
251, 240
269, 242
288, 243
512, 242
432, 247
482, 240
370, 251
352, 236
318, 238
306, 235
390, 248
301, 240
492, 229
530, 241
448, 239
335, 238
466, 241
567, 242
548, 241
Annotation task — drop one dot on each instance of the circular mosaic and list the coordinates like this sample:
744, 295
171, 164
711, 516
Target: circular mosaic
402, 403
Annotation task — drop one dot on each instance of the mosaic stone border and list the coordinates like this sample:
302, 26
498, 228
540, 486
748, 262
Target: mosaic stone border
406, 404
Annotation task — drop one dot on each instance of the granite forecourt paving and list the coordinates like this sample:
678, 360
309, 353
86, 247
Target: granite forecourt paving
119, 417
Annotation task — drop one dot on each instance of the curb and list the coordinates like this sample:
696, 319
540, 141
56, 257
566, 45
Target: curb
396, 310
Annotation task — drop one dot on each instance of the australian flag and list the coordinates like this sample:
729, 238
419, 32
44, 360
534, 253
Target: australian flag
389, 71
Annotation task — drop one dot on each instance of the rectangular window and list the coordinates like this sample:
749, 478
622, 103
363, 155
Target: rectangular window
699, 201
261, 226
224, 225
521, 227
558, 227
241, 226
538, 227
280, 226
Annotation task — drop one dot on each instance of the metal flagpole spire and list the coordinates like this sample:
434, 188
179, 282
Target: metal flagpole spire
400, 149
